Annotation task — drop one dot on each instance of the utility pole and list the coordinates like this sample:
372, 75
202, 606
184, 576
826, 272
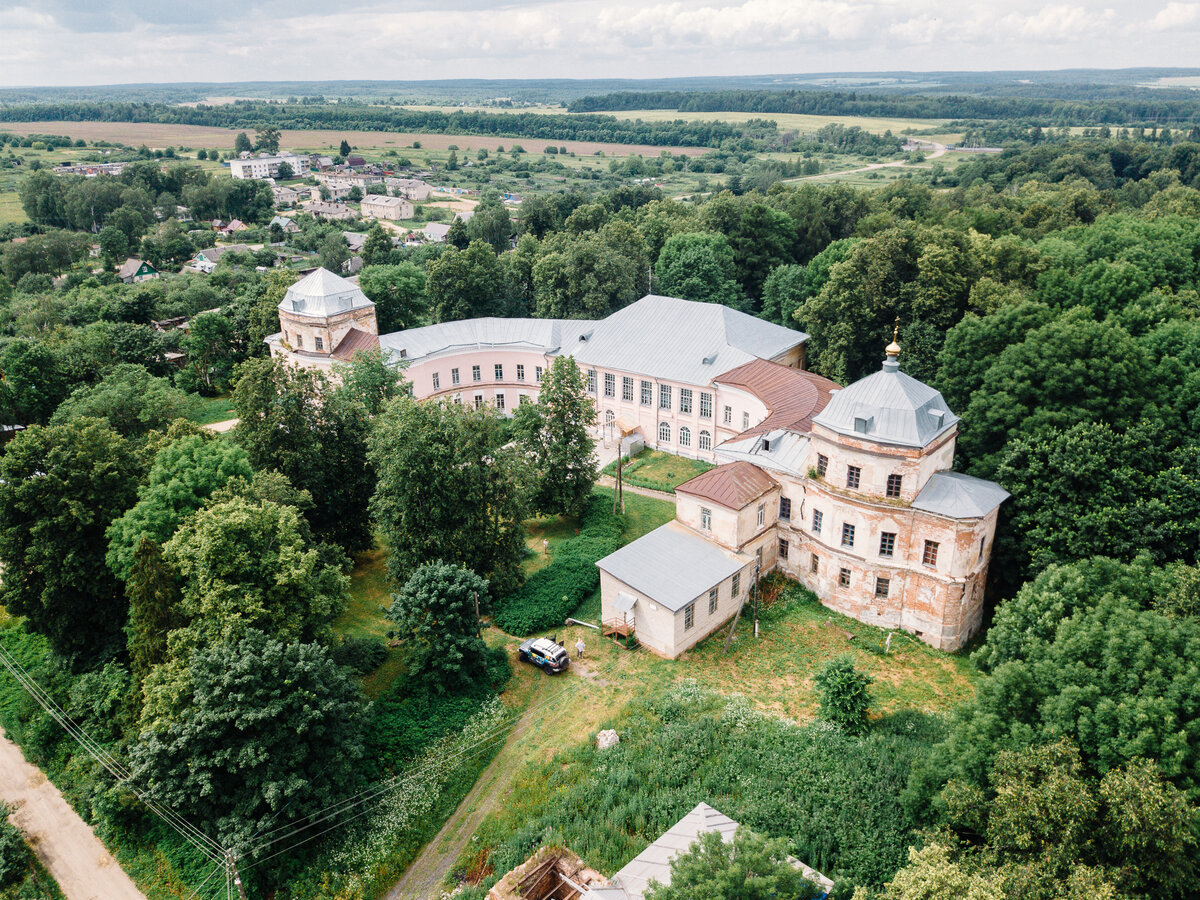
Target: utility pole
231, 865
756, 600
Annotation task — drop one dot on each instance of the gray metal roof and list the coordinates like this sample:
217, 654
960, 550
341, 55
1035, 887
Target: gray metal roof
542, 335
682, 340
323, 294
888, 407
776, 451
654, 863
959, 496
672, 565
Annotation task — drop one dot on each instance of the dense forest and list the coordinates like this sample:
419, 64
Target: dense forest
1107, 107
1051, 292
363, 117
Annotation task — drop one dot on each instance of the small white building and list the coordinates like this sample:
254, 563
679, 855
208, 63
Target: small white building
410, 188
380, 206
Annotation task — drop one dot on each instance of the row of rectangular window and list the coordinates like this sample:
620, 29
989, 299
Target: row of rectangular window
883, 584
887, 540
689, 611
895, 483
685, 436
476, 375
320, 344
646, 393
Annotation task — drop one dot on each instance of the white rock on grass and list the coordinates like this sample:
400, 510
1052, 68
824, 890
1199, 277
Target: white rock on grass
607, 738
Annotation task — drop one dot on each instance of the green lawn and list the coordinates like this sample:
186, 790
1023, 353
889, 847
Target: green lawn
370, 594
214, 409
659, 471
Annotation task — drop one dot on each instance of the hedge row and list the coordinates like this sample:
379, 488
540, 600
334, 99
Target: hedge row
553, 593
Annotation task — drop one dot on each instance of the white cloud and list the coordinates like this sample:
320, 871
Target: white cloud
103, 41
1176, 15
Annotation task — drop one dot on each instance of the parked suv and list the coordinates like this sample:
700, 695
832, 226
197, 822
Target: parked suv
545, 654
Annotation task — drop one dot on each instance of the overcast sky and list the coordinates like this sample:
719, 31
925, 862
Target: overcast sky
49, 42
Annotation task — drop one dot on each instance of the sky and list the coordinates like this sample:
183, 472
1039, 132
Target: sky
78, 42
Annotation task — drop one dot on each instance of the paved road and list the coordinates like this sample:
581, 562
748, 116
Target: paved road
64, 843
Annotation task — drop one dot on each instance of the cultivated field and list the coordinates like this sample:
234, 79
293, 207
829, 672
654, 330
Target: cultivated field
155, 135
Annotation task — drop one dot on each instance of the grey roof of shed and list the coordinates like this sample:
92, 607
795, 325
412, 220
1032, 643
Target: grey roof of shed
888, 407
959, 496
682, 340
672, 565
654, 863
323, 294
542, 335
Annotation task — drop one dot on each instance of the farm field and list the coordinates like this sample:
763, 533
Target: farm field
786, 121
154, 135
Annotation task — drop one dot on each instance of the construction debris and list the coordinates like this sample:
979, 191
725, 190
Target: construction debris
553, 873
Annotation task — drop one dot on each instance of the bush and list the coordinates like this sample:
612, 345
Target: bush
845, 694
14, 854
553, 593
362, 654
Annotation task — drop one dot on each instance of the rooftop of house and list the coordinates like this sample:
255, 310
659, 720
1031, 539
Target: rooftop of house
385, 200
354, 342
654, 863
436, 231
682, 340
777, 451
734, 485
793, 396
129, 268
323, 293
959, 496
541, 335
888, 407
697, 565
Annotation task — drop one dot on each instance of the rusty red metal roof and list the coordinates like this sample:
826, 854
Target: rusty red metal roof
355, 341
734, 485
793, 396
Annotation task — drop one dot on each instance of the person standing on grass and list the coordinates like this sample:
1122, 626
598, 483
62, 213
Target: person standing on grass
580, 646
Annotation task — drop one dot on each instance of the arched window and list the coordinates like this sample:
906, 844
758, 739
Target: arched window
609, 415
685, 436
664, 433
705, 440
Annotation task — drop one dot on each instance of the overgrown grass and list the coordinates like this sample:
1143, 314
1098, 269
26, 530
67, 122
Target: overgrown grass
213, 409
556, 589
834, 798
659, 471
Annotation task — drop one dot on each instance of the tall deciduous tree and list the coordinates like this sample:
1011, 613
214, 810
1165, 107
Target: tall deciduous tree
184, 474
398, 293
466, 284
553, 433
130, 399
265, 732
154, 608
448, 489
248, 565
292, 419
371, 378
435, 613
60, 488
698, 266
241, 143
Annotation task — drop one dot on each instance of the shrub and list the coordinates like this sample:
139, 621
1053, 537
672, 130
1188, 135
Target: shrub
845, 694
14, 854
553, 593
362, 654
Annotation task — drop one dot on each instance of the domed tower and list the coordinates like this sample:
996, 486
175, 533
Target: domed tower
895, 538
320, 310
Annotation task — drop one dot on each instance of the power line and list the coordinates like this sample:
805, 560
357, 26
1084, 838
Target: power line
124, 776
499, 734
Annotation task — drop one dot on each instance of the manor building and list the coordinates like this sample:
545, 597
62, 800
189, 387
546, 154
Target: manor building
848, 490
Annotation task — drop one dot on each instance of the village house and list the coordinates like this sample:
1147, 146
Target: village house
379, 206
360, 180
333, 191
286, 225
206, 260
435, 232
285, 196
413, 189
847, 490
333, 212
266, 166
90, 170
135, 270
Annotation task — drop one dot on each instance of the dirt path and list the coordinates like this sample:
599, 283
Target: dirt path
222, 427
423, 879
938, 150
64, 843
